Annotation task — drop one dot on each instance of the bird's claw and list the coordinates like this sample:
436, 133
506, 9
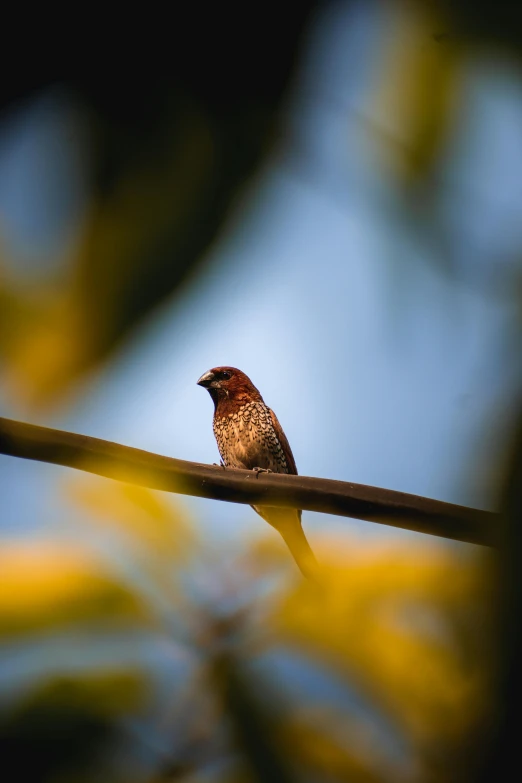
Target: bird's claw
219, 466
257, 471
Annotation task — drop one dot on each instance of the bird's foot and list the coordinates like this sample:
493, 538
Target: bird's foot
257, 471
219, 466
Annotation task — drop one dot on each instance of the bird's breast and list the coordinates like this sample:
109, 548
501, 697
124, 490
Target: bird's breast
246, 439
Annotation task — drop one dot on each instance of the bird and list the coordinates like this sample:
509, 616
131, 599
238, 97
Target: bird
249, 437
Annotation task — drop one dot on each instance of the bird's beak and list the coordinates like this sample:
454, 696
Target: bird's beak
206, 380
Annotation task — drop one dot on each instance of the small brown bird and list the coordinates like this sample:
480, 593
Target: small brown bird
250, 437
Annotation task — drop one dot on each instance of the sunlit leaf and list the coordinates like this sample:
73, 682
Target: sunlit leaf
44, 585
388, 620
319, 751
418, 94
155, 520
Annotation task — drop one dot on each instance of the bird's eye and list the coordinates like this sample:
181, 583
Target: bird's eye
226, 375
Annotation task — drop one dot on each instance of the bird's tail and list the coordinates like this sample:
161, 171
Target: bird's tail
288, 523
301, 550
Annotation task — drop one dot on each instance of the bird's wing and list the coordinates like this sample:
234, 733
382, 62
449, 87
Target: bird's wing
287, 521
287, 451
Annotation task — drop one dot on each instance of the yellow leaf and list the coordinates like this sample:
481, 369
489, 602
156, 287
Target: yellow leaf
409, 623
44, 584
418, 90
153, 519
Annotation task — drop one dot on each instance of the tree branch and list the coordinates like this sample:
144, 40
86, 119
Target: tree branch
241, 486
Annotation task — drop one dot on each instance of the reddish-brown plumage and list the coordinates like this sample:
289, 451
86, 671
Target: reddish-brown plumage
249, 436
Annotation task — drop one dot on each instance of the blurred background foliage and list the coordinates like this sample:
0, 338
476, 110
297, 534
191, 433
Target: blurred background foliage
131, 647
385, 672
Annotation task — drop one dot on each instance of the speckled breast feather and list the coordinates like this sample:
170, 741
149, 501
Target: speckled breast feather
247, 439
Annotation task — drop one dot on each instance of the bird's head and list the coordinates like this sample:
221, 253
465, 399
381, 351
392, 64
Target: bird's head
229, 385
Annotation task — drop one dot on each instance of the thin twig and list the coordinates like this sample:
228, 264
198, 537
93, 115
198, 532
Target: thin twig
241, 486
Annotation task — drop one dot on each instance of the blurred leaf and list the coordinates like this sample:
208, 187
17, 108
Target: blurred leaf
501, 749
411, 627
488, 22
169, 148
321, 753
156, 521
254, 722
418, 93
160, 538
44, 585
64, 729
